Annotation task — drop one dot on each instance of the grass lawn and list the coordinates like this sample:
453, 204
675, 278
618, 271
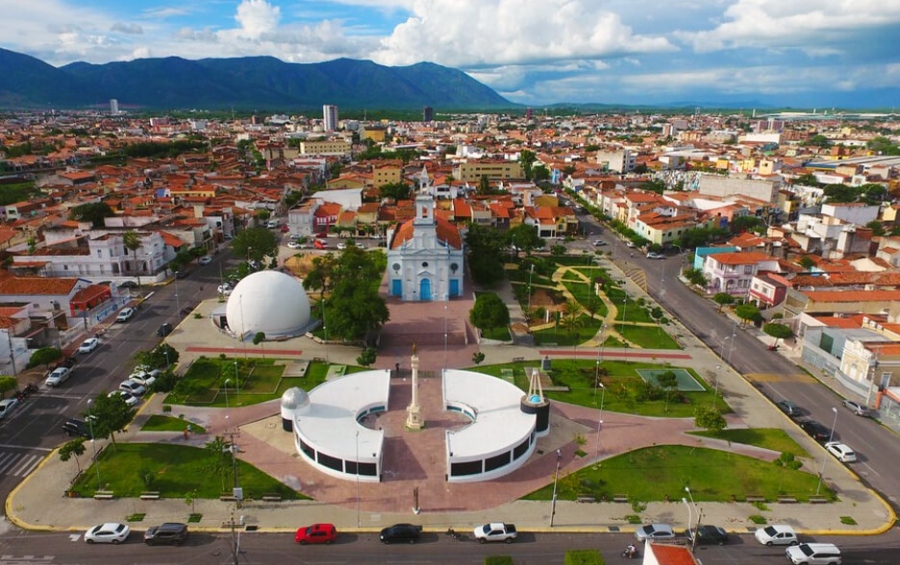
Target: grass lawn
650, 337
562, 336
768, 438
661, 472
500, 334
584, 294
260, 380
157, 423
623, 387
174, 471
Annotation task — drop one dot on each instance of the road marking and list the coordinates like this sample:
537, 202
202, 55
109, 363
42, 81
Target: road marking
873, 471
7, 445
28, 466
74, 537
779, 377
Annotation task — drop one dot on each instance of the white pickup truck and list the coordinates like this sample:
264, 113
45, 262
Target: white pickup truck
496, 531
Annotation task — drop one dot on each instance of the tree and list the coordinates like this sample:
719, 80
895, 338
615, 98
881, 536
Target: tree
709, 418
742, 224
527, 158
7, 384
255, 244
807, 262
525, 238
747, 313
220, 461
368, 356
161, 356
489, 312
395, 190
112, 416
355, 307
132, 242
876, 227
696, 276
723, 299
74, 447
263, 215
258, 338
478, 357
778, 331
669, 382
319, 277
44, 356
93, 212
572, 319
484, 185
485, 249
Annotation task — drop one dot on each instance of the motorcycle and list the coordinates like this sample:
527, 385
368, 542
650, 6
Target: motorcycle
773, 348
30, 388
631, 552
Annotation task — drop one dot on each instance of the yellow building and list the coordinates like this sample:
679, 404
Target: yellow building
387, 174
325, 147
472, 172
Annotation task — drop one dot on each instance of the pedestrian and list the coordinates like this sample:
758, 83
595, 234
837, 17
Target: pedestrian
186, 433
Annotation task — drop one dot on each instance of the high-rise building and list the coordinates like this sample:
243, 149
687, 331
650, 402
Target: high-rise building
427, 114
330, 117
113, 106
529, 113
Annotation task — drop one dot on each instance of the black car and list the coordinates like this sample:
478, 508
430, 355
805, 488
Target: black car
180, 274
164, 330
815, 430
170, 533
789, 408
77, 428
707, 535
402, 533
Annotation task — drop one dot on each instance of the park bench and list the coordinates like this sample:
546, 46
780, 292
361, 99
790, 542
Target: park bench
755, 498
620, 498
786, 500
104, 495
585, 498
150, 495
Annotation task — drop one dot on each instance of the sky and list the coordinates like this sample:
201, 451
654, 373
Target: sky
533, 52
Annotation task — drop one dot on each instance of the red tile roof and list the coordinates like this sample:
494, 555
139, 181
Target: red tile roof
673, 554
740, 258
446, 232
37, 286
853, 295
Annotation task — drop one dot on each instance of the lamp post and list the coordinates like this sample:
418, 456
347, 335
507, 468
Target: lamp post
690, 514
225, 386
177, 301
555, 482
825, 458
90, 420
530, 272
600, 417
357, 480
237, 378
699, 514
716, 393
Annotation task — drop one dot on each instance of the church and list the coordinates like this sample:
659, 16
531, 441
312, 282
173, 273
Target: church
425, 255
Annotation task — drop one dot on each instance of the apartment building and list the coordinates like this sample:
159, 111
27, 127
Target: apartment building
472, 172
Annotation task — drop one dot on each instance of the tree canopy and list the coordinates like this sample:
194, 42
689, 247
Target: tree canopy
93, 212
255, 244
354, 306
489, 312
485, 248
111, 415
525, 238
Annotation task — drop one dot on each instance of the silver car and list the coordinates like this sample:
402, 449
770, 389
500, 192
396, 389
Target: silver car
654, 532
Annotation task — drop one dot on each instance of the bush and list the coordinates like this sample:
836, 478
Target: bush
165, 382
584, 557
498, 560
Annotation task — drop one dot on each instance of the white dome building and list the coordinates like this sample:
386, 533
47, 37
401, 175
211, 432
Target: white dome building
270, 302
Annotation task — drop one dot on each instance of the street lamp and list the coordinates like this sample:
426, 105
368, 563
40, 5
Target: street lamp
555, 482
530, 272
225, 386
690, 515
716, 394
90, 420
357, 480
825, 458
600, 417
237, 378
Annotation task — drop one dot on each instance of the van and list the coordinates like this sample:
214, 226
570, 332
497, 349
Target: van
169, 533
814, 554
319, 244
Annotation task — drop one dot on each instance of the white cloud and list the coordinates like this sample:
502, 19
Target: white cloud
130, 29
473, 33
256, 18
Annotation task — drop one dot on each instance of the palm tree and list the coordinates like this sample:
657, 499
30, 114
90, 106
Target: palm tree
572, 321
132, 241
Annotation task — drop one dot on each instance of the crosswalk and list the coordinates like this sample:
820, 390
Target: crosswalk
18, 463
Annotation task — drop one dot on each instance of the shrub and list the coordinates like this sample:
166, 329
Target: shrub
498, 560
584, 557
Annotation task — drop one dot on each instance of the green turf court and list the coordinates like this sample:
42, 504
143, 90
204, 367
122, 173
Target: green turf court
686, 382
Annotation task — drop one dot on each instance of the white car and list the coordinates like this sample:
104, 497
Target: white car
654, 532
89, 345
814, 554
7, 406
294, 245
132, 387
342, 245
205, 260
842, 451
125, 315
129, 399
224, 289
654, 255
144, 377
111, 532
58, 376
776, 534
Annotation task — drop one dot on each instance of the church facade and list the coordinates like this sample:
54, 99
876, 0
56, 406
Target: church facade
425, 256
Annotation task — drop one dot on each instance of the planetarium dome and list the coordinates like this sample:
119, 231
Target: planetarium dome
270, 302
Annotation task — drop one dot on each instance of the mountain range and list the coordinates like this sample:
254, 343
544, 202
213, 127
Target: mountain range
248, 83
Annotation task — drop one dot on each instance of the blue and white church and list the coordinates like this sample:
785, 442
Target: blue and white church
425, 254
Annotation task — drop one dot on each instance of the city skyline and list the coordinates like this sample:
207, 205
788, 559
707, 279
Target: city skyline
801, 53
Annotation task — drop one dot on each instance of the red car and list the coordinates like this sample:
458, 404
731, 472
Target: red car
317, 533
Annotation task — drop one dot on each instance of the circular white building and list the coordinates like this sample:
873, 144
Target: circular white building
271, 302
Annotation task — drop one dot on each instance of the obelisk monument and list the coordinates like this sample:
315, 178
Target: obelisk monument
414, 419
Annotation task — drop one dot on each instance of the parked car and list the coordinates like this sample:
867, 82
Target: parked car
319, 244
285, 228
654, 255
788, 408
599, 243
7, 405
125, 314
58, 376
496, 531
169, 533
181, 273
654, 532
77, 428
707, 535
857, 408
294, 245
205, 260
842, 451
129, 398
164, 330
816, 430
342, 245
776, 534
402, 533
144, 377
317, 533
110, 532
814, 554
132, 387
629, 243
89, 345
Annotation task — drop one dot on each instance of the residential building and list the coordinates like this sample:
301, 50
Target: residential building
329, 118
616, 160
734, 272
472, 172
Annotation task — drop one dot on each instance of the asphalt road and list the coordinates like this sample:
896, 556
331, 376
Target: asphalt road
876, 446
438, 549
